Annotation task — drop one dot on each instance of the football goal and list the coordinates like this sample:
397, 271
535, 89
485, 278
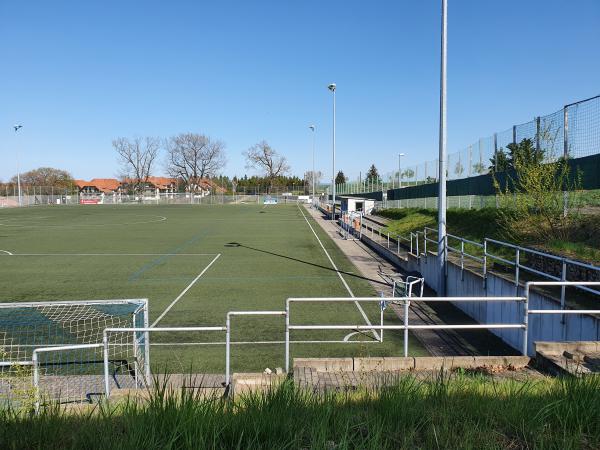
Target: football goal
54, 350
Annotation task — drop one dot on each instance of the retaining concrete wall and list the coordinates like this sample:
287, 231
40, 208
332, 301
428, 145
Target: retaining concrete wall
548, 327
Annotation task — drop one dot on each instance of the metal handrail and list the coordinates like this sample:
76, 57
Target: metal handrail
405, 326
105, 344
36, 367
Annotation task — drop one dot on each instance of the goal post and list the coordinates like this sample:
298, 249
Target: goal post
58, 341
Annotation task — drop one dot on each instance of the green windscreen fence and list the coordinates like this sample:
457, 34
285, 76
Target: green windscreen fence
588, 168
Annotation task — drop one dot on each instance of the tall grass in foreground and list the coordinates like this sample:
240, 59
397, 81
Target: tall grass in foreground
461, 411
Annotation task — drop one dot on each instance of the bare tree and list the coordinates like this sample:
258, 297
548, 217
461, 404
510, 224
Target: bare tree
137, 157
192, 157
266, 159
308, 179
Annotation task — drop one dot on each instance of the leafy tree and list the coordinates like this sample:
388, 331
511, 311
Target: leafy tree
534, 197
340, 178
479, 168
458, 168
373, 174
408, 173
46, 177
523, 152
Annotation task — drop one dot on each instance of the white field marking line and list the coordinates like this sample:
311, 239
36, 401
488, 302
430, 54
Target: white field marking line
7, 252
113, 254
341, 278
160, 219
164, 313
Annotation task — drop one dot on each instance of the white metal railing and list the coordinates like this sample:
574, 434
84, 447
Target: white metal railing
146, 330
485, 255
346, 223
228, 335
36, 368
553, 311
405, 326
289, 326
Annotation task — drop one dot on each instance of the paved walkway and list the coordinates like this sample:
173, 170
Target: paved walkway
436, 342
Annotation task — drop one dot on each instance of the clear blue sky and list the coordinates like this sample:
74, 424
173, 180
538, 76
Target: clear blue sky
78, 74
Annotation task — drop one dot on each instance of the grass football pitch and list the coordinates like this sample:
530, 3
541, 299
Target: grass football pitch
194, 264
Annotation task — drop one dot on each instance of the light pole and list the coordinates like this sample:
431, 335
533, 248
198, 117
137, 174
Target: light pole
442, 159
312, 127
332, 87
17, 128
400, 155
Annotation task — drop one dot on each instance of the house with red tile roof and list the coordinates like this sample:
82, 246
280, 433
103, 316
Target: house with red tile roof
98, 186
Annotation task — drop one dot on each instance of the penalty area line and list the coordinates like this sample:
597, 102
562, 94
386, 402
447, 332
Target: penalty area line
188, 287
362, 312
7, 252
112, 254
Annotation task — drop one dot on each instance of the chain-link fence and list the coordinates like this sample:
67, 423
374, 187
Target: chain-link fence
573, 132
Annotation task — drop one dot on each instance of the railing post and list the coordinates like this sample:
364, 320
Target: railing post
287, 336
406, 305
36, 381
388, 240
398, 242
462, 259
517, 267
524, 349
417, 241
227, 348
106, 370
485, 263
147, 344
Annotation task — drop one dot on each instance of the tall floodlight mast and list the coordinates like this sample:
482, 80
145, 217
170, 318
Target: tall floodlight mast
17, 128
332, 87
442, 160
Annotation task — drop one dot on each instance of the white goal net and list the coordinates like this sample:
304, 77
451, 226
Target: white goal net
52, 351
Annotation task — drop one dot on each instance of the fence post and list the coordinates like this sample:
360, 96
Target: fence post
563, 277
537, 133
514, 140
565, 156
496, 162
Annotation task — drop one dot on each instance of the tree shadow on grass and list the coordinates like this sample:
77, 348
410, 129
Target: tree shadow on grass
237, 244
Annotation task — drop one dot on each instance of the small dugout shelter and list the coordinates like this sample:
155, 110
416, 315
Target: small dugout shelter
357, 204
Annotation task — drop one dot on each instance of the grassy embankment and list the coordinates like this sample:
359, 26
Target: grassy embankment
457, 411
478, 224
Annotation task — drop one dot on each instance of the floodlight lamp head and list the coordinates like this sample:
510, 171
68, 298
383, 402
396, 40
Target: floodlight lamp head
16, 127
401, 154
312, 127
332, 87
